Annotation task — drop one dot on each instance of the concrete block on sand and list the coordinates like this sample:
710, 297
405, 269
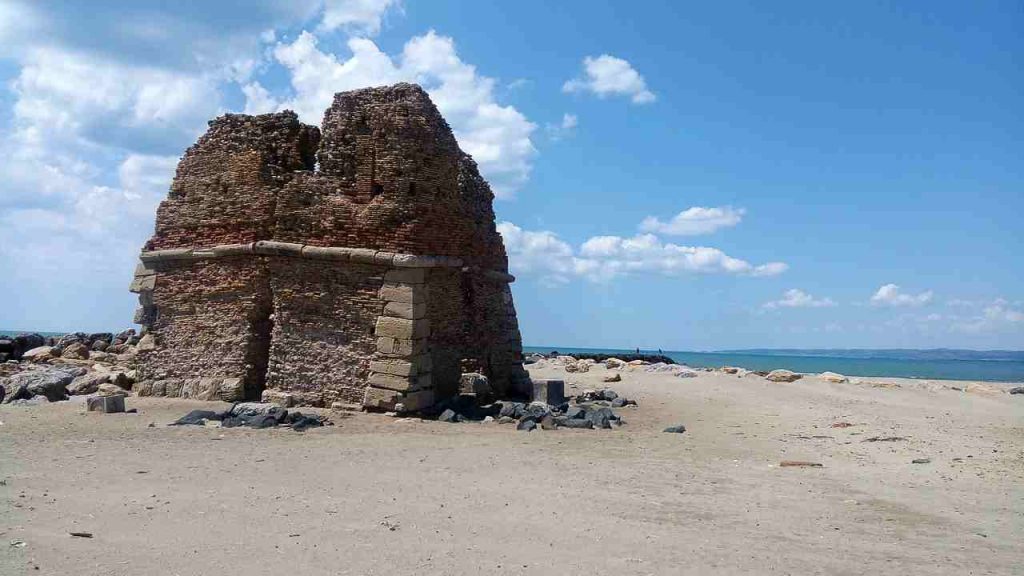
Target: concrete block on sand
106, 404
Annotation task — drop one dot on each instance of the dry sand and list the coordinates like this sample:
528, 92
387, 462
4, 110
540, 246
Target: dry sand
380, 495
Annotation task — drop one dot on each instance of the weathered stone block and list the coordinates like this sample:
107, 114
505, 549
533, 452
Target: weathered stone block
402, 383
406, 310
550, 392
397, 367
402, 328
231, 389
406, 276
105, 404
402, 293
383, 399
142, 283
399, 347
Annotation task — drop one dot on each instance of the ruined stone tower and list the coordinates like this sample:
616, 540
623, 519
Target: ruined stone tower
358, 263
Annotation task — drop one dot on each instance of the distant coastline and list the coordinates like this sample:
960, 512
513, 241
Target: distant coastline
936, 364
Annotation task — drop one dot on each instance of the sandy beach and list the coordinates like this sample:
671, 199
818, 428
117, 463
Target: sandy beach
381, 495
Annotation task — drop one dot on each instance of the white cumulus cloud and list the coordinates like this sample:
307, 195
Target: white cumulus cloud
362, 17
604, 258
890, 295
695, 221
606, 75
796, 298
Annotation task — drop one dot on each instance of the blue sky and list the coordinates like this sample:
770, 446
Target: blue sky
705, 176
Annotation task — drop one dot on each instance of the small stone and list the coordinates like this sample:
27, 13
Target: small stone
675, 429
448, 415
921, 461
547, 423
612, 378
488, 419
609, 394
833, 377
799, 464
506, 420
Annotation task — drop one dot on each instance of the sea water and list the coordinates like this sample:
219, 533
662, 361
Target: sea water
986, 366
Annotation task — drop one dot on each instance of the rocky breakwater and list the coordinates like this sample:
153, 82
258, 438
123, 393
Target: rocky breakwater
38, 370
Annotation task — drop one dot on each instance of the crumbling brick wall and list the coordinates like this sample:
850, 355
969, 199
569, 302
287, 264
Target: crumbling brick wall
360, 264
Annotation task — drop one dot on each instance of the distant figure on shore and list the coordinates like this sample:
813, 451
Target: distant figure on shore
637, 350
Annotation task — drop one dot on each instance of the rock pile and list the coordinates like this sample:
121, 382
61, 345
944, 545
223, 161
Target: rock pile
591, 409
253, 415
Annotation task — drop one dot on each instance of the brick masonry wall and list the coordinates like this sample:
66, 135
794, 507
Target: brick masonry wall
390, 177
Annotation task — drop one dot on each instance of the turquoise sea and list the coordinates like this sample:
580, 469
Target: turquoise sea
941, 364
985, 366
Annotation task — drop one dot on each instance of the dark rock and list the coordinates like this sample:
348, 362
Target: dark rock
251, 409
263, 421
512, 409
576, 412
527, 424
609, 394
125, 335
51, 383
566, 422
100, 345
675, 429
100, 337
602, 417
197, 418
20, 393
583, 423
3, 392
921, 461
548, 423
1017, 390
301, 422
448, 415
618, 402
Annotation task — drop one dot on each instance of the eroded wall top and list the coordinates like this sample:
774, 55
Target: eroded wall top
385, 173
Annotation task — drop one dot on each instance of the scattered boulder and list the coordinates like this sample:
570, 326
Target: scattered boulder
1017, 390
612, 378
567, 422
88, 384
103, 357
39, 354
614, 363
730, 369
686, 373
675, 429
251, 409
51, 383
99, 345
833, 377
76, 351
783, 376
108, 389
